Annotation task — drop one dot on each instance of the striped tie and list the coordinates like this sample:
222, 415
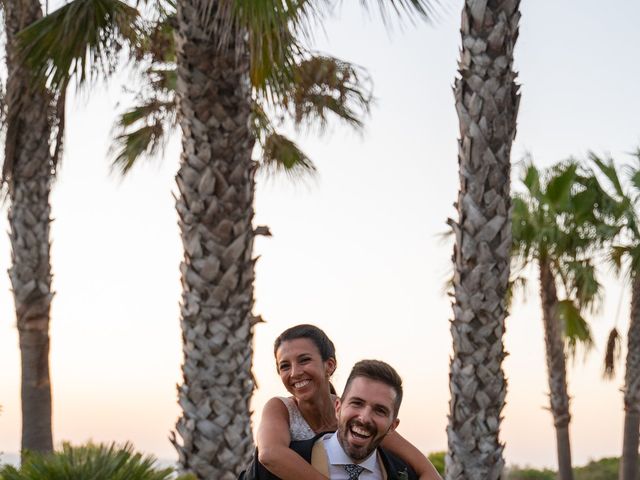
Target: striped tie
354, 471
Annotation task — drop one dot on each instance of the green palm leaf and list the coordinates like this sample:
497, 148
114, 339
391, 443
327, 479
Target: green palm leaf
576, 329
278, 153
531, 179
143, 132
584, 286
607, 167
404, 8
326, 85
81, 39
560, 185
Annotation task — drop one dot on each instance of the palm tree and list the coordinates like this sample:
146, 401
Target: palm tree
26, 178
225, 51
553, 227
487, 100
624, 254
214, 66
33, 145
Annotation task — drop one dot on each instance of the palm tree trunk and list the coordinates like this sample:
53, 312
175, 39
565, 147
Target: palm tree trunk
215, 208
487, 103
556, 370
28, 171
629, 463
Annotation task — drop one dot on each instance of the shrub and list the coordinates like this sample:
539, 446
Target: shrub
603, 469
516, 473
91, 461
437, 458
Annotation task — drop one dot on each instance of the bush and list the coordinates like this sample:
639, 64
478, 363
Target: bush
516, 473
603, 469
437, 458
91, 461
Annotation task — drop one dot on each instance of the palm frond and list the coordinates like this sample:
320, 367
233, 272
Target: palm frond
612, 355
275, 31
516, 284
325, 85
607, 167
156, 42
279, 154
585, 287
616, 256
80, 40
560, 185
531, 177
576, 328
405, 9
142, 132
271, 30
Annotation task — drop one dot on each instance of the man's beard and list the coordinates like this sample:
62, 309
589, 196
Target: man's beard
359, 452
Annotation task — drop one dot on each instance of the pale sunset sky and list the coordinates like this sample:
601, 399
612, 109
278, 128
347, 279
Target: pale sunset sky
355, 251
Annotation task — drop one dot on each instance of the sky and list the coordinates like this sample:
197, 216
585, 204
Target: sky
356, 251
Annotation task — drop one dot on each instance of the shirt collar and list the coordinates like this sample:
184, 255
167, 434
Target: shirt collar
337, 456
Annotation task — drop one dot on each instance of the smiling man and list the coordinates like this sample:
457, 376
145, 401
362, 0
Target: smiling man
366, 413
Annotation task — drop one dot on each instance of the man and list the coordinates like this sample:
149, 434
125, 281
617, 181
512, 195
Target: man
366, 413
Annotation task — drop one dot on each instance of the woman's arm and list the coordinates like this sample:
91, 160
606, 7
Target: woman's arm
400, 447
273, 440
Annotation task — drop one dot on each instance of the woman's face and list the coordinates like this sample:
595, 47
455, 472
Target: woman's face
302, 370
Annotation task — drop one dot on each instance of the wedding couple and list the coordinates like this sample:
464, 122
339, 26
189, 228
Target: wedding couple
317, 435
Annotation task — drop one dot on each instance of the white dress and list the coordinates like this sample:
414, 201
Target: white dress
299, 429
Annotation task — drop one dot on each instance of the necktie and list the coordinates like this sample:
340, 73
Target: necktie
354, 471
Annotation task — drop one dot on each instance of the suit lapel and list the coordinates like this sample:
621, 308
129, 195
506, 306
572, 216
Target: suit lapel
383, 465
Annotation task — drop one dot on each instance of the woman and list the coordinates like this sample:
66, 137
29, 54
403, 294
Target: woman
305, 360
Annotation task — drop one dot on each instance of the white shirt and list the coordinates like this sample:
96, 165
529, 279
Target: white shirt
338, 459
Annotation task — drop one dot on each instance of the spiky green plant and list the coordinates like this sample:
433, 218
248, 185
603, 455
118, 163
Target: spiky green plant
90, 461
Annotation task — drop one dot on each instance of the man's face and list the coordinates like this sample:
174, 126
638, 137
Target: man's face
365, 416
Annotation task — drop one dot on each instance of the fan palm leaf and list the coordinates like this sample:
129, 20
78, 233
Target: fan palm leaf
57, 50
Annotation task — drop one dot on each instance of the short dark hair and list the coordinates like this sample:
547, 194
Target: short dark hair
379, 371
316, 335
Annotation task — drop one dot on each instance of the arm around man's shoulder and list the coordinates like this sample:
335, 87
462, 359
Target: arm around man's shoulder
396, 468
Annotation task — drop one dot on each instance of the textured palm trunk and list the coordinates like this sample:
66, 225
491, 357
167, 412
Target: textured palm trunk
28, 169
487, 103
215, 208
629, 463
556, 370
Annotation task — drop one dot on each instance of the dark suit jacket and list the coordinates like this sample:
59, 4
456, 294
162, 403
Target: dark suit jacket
395, 468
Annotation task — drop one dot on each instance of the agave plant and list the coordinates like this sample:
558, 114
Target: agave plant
90, 461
